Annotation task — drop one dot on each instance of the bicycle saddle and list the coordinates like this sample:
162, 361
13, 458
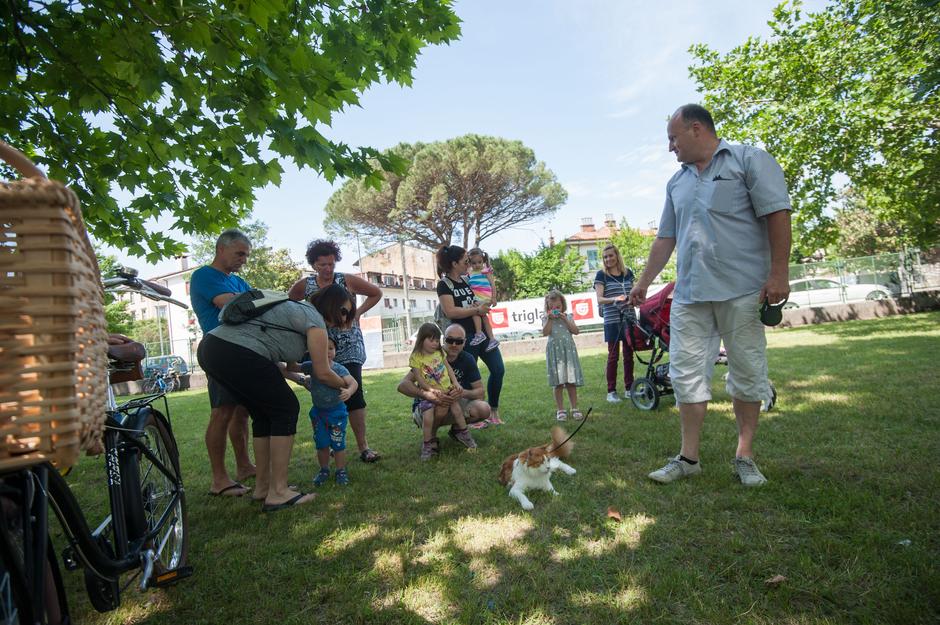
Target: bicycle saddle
131, 352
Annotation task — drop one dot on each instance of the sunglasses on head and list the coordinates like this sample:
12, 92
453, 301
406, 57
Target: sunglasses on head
454, 341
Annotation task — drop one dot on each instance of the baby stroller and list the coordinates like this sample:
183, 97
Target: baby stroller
651, 333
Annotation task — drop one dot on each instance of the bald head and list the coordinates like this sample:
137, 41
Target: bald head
455, 337
691, 134
691, 113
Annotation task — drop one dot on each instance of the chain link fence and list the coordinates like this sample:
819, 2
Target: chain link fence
902, 273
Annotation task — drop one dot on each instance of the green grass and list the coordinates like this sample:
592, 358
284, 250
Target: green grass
851, 453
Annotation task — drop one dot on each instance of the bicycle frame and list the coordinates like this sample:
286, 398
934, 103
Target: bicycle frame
121, 444
120, 440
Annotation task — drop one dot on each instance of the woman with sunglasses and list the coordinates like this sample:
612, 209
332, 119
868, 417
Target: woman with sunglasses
350, 346
247, 359
460, 306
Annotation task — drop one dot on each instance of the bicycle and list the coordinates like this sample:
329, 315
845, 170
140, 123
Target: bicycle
160, 382
146, 528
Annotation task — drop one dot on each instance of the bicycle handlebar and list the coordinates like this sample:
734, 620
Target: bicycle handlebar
126, 280
159, 288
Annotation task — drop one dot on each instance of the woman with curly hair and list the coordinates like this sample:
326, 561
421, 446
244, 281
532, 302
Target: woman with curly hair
323, 255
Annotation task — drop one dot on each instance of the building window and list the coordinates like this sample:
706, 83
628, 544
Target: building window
593, 263
395, 302
413, 305
388, 304
430, 305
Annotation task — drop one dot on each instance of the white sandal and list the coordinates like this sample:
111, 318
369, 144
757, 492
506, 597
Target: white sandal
561, 415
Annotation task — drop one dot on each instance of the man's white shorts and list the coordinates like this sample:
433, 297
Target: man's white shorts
696, 333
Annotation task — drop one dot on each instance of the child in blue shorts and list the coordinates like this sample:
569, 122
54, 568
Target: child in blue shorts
328, 418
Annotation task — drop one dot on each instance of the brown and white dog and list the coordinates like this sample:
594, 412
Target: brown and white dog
533, 467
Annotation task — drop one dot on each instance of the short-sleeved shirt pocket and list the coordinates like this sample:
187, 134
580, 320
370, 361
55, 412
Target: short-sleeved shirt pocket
729, 190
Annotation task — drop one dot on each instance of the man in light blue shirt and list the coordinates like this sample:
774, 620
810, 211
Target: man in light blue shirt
727, 216
210, 287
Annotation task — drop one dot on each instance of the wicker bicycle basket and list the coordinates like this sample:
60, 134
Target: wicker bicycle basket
53, 341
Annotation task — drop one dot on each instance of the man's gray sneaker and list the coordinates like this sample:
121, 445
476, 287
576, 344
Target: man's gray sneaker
463, 437
428, 449
675, 469
747, 471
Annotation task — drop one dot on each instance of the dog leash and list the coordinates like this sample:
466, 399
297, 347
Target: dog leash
580, 425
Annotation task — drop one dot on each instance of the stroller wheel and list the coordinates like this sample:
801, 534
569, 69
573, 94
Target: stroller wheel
644, 394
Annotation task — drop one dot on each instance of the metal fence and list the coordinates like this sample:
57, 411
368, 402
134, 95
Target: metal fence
395, 332
902, 273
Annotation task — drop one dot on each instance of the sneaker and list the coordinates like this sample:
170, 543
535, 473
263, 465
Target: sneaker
342, 477
463, 437
479, 425
612, 397
494, 343
675, 469
320, 478
628, 394
747, 471
494, 420
478, 338
428, 449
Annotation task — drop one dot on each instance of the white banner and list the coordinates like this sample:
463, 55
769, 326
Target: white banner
523, 315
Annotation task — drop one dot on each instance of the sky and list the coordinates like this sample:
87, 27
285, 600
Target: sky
586, 84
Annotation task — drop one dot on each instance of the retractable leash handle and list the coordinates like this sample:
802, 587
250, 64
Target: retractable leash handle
771, 314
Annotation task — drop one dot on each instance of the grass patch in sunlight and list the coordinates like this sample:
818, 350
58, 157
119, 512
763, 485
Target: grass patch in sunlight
850, 515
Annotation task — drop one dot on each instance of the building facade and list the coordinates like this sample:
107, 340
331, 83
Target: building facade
389, 268
589, 242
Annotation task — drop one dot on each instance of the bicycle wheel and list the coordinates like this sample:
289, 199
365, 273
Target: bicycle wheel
172, 383
149, 494
17, 604
151, 385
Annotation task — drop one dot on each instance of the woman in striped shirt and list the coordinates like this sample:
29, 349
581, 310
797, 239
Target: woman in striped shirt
612, 285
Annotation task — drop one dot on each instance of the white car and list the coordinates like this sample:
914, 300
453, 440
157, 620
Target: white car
823, 292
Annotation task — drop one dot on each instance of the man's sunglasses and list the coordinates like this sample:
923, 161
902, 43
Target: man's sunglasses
454, 341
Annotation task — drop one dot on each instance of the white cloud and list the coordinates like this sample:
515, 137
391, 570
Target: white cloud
630, 111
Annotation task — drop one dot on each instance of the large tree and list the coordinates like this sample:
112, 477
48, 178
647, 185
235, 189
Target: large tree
267, 268
848, 93
634, 247
185, 108
460, 190
861, 232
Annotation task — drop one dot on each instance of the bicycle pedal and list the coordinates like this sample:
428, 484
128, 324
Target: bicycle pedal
171, 577
69, 559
